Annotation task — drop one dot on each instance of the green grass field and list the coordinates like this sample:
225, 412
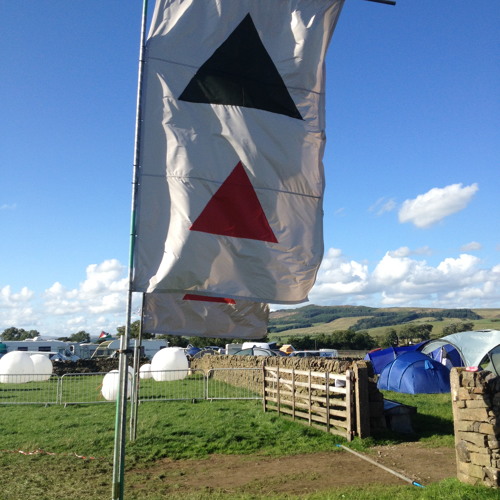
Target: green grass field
59, 452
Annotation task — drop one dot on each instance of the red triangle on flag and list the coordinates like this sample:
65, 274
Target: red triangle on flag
203, 298
235, 210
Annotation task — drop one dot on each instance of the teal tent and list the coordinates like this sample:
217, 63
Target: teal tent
479, 348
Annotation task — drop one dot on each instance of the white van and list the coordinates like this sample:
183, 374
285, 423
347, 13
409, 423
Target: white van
260, 345
322, 353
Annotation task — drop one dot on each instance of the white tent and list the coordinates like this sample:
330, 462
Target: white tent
476, 348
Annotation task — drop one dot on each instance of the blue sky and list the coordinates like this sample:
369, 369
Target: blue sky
411, 163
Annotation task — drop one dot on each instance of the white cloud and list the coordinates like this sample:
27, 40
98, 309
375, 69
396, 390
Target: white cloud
471, 247
6, 206
16, 308
400, 279
463, 263
102, 292
400, 252
104, 276
429, 208
425, 250
383, 205
76, 321
97, 304
9, 299
393, 268
405, 251
339, 276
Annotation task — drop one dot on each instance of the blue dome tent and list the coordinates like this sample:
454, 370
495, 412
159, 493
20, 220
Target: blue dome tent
379, 358
415, 373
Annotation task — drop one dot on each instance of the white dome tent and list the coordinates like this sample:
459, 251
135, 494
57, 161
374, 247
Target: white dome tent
479, 348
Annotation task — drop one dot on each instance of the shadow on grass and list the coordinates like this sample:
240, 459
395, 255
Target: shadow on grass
425, 427
430, 425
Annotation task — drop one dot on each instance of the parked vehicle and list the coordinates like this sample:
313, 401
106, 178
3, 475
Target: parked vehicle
149, 347
260, 345
322, 353
84, 350
256, 351
206, 351
233, 348
54, 349
191, 351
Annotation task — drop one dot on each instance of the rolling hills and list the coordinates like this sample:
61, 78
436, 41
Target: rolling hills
312, 320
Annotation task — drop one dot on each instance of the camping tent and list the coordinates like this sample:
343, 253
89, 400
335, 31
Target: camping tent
478, 348
415, 373
379, 358
447, 355
287, 348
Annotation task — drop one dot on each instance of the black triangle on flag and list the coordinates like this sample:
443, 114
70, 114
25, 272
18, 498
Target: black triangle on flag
241, 73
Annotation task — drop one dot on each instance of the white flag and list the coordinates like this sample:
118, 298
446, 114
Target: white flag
231, 178
198, 316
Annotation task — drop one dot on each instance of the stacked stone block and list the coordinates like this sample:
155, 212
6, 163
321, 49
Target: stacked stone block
476, 413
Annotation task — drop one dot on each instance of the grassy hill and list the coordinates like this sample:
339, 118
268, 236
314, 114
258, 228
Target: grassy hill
312, 319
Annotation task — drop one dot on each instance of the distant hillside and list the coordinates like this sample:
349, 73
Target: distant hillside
313, 319
307, 316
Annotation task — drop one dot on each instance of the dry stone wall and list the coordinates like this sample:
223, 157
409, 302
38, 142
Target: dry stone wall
476, 412
219, 363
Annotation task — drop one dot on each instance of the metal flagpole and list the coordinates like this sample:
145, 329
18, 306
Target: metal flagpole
134, 396
121, 401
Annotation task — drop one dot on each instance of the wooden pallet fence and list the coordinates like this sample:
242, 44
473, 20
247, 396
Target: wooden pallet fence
321, 399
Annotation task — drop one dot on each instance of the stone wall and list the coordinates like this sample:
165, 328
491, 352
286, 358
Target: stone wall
476, 412
374, 412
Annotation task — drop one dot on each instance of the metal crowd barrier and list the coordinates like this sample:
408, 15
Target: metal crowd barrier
38, 389
167, 385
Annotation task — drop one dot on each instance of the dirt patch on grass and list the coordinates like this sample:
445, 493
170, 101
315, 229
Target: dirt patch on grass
297, 474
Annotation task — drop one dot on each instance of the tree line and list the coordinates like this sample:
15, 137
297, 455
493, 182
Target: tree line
414, 332
341, 340
13, 333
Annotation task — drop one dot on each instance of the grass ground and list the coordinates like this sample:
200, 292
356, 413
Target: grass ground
71, 449
59, 452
